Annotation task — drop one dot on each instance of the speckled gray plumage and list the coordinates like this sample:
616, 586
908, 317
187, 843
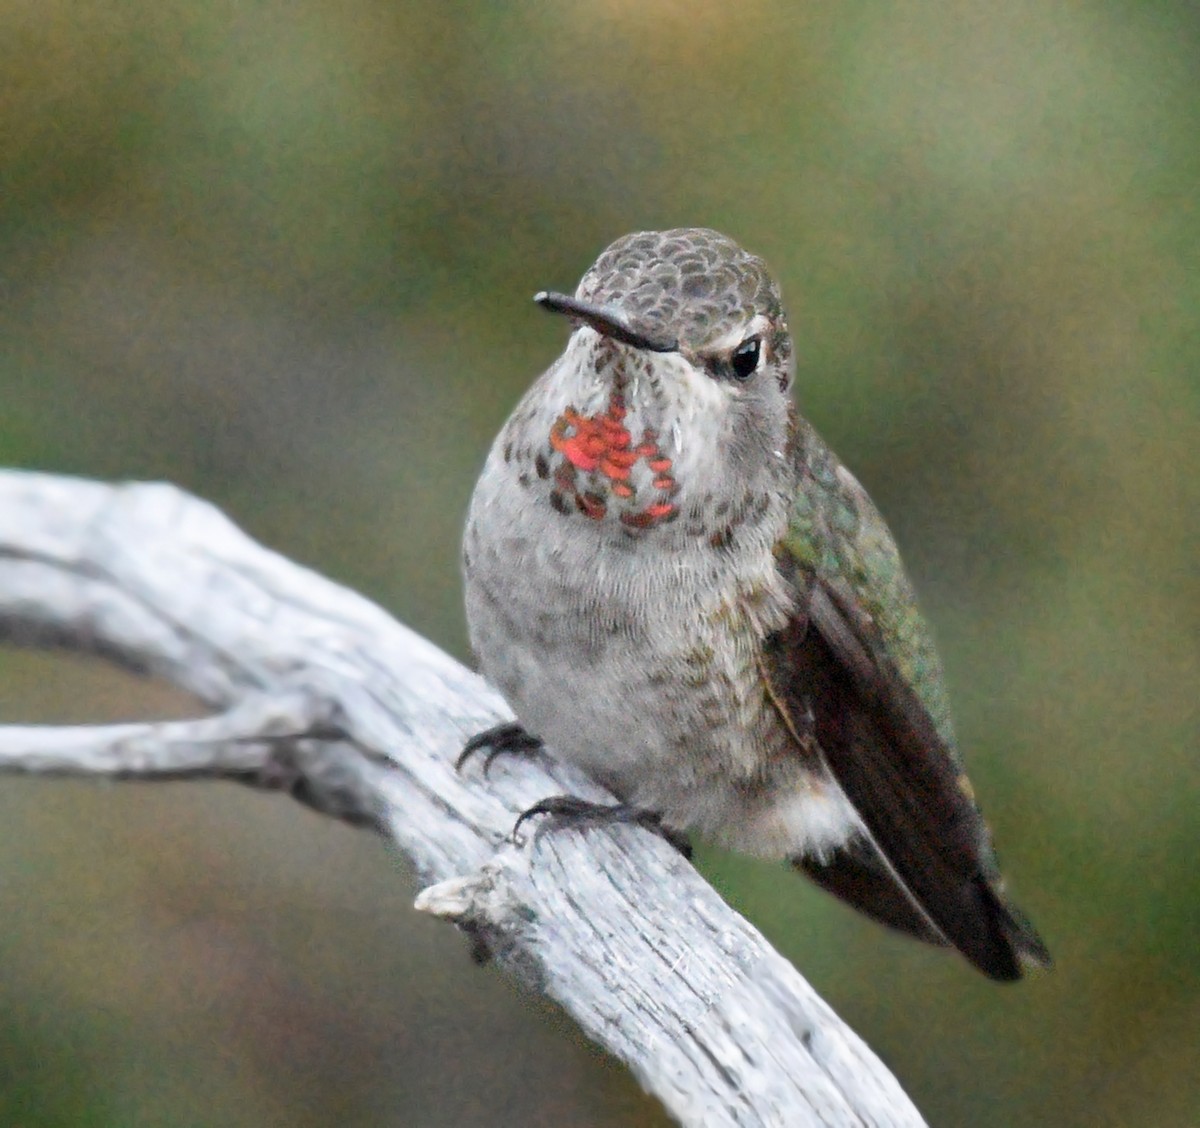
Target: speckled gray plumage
691, 283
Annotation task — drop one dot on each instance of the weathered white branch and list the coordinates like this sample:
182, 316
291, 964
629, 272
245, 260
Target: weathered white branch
322, 693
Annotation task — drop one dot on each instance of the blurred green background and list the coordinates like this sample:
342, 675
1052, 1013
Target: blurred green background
282, 254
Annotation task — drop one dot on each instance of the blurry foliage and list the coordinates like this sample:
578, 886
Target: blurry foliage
282, 253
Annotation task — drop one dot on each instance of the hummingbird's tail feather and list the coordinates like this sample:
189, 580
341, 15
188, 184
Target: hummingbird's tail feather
1030, 947
1001, 942
855, 874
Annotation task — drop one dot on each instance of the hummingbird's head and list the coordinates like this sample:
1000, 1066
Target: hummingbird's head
672, 397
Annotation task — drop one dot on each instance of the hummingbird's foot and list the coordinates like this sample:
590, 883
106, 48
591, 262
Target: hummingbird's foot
501, 740
568, 811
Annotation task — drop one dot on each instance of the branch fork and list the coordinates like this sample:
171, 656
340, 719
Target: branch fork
317, 691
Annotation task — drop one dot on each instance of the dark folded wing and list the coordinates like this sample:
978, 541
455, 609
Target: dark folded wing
858, 663
884, 751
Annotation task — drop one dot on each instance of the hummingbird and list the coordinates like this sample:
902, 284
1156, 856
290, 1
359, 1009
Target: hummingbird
680, 589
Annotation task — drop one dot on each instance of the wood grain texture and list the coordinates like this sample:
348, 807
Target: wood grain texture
317, 691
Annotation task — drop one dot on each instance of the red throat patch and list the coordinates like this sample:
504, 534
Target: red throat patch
599, 462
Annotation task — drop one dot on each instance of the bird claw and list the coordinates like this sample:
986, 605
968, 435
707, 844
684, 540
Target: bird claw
567, 811
500, 740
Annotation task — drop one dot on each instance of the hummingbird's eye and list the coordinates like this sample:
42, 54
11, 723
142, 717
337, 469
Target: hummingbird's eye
744, 360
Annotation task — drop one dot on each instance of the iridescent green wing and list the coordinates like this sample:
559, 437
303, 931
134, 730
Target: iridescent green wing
857, 671
838, 535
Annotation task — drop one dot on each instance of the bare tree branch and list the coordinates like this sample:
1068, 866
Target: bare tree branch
320, 692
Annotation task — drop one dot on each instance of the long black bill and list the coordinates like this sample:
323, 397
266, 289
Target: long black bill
604, 322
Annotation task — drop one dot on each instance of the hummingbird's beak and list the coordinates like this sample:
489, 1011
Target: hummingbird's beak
605, 322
